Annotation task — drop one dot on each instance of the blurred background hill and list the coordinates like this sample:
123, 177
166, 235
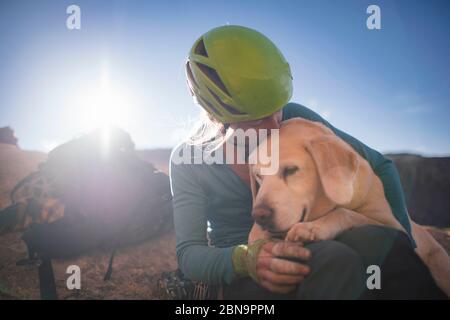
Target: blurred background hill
426, 182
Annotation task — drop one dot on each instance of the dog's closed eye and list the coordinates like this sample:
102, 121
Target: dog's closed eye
289, 171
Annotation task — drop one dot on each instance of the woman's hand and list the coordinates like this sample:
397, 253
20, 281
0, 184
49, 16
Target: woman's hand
276, 265
278, 274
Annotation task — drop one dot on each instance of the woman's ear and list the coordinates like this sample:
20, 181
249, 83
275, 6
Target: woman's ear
337, 165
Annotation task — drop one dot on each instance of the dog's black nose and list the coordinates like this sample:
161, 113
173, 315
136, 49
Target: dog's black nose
262, 215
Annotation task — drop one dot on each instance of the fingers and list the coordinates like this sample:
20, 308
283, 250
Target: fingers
278, 274
280, 279
282, 266
277, 288
288, 250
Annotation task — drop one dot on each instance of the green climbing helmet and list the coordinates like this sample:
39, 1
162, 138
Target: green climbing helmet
238, 74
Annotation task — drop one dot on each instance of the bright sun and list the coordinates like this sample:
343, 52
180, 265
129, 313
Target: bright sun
104, 105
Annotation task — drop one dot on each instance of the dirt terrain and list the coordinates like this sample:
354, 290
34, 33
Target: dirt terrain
135, 275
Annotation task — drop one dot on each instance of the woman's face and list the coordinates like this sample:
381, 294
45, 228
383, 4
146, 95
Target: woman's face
271, 122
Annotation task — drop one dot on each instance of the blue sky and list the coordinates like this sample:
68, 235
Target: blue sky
390, 88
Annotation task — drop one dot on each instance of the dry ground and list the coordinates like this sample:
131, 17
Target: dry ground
135, 275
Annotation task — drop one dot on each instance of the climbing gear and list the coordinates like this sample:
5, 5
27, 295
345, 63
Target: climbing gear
173, 285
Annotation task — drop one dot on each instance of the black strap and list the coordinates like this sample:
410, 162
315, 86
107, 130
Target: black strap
110, 265
47, 280
165, 197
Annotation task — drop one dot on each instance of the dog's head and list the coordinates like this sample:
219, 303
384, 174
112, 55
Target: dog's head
314, 164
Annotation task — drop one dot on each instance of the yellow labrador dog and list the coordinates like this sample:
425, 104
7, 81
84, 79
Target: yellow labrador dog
324, 187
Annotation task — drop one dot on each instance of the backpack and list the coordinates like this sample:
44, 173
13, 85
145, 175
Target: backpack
93, 192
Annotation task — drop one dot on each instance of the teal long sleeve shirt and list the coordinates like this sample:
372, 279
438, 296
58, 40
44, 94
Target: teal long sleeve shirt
214, 197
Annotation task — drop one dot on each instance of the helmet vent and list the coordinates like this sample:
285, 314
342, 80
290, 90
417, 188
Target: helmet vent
229, 108
213, 76
200, 48
190, 75
209, 105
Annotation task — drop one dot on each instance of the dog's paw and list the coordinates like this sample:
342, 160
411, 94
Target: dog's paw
307, 232
303, 231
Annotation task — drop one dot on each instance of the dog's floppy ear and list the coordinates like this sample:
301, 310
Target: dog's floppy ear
337, 165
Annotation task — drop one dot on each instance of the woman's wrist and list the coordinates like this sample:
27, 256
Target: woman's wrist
244, 259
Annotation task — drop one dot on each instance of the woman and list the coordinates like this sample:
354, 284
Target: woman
243, 82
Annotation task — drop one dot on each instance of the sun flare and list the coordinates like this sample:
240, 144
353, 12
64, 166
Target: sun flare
106, 104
